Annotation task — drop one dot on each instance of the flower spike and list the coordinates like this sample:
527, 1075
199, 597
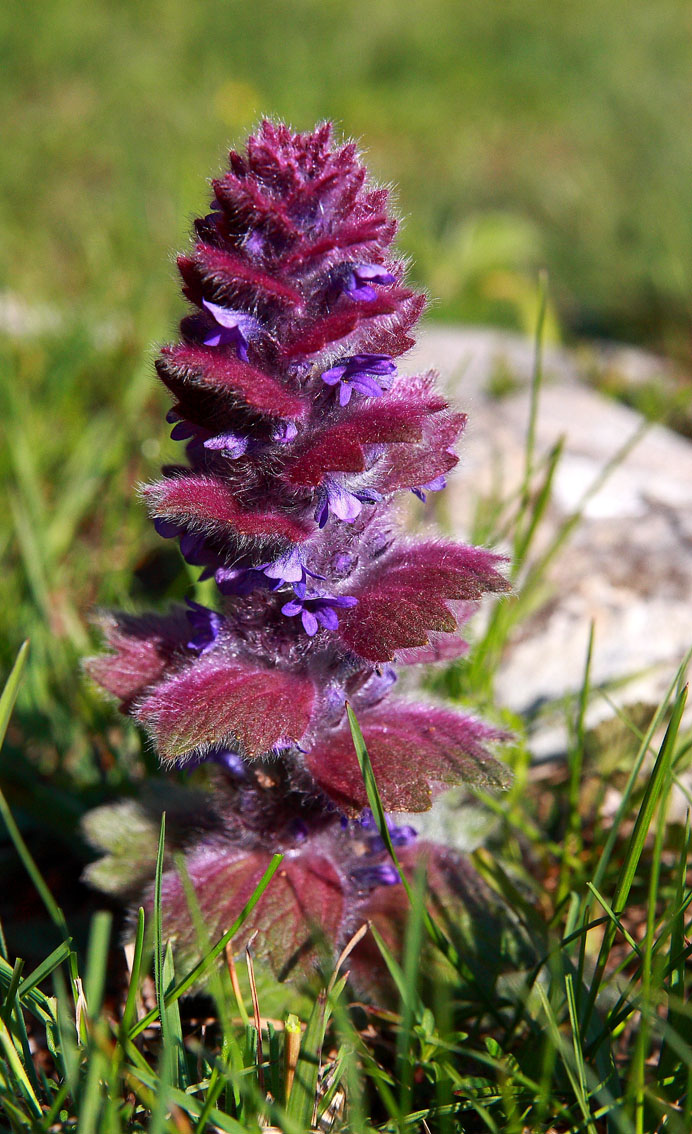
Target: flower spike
301, 431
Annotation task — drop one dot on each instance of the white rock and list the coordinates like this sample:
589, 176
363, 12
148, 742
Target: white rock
628, 564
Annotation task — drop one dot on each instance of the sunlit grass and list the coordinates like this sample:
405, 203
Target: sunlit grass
595, 1029
517, 137
587, 1027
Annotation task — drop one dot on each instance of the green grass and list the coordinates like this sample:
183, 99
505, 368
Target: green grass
519, 135
594, 1034
587, 1027
512, 132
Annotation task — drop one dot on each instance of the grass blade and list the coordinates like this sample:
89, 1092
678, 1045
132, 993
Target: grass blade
97, 960
11, 993
158, 933
202, 967
135, 972
301, 1102
439, 938
9, 693
654, 788
18, 1072
45, 968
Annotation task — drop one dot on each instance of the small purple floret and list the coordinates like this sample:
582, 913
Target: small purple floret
207, 624
377, 686
233, 328
369, 374
299, 830
383, 874
232, 445
435, 485
183, 431
358, 283
333, 499
284, 433
289, 568
400, 836
239, 580
195, 551
316, 609
166, 528
193, 547
230, 761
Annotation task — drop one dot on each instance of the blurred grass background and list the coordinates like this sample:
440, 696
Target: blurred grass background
518, 135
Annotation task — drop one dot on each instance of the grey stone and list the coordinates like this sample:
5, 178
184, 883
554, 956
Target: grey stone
627, 565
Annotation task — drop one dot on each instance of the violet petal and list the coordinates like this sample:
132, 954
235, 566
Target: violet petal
334, 374
327, 617
310, 623
288, 568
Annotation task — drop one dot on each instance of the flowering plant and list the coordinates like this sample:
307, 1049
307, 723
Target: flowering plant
300, 433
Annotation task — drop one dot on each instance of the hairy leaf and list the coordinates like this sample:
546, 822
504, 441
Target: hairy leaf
218, 701
220, 371
299, 916
230, 272
415, 750
339, 447
404, 597
143, 646
205, 503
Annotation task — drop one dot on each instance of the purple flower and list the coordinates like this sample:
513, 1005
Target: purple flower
195, 551
358, 282
333, 498
167, 529
369, 374
255, 243
289, 568
400, 836
193, 548
227, 759
183, 431
207, 624
299, 830
376, 687
342, 563
234, 328
381, 874
316, 609
232, 445
239, 580
284, 433
435, 485
263, 699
